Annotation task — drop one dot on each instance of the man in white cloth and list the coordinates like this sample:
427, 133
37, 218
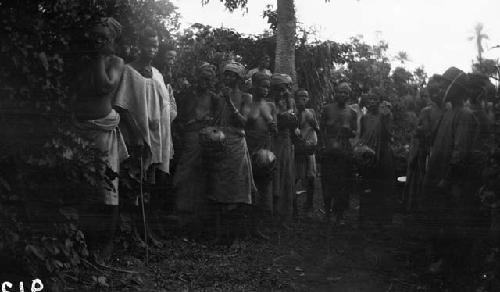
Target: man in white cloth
147, 109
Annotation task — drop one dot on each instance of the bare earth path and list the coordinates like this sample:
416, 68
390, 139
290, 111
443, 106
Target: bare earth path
314, 256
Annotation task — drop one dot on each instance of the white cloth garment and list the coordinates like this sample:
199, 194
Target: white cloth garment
152, 106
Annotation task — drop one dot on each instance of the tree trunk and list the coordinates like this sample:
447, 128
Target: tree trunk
285, 39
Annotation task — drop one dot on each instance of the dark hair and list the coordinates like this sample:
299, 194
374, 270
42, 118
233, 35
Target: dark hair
147, 33
167, 46
301, 90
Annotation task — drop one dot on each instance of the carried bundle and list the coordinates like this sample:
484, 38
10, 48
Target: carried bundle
263, 163
212, 141
365, 158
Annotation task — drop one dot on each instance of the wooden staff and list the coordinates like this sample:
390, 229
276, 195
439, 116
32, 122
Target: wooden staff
144, 214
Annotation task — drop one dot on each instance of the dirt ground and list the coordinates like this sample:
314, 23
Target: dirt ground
313, 256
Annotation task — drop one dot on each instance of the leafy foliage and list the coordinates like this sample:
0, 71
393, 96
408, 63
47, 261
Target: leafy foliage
46, 166
231, 5
201, 43
487, 67
39, 226
39, 180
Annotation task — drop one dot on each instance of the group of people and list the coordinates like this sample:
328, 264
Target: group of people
245, 143
448, 168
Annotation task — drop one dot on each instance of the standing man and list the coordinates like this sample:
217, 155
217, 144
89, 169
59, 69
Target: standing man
148, 109
338, 125
305, 160
262, 68
421, 143
98, 121
167, 58
352, 101
446, 178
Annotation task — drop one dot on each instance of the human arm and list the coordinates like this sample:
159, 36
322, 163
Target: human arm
107, 72
311, 119
239, 115
134, 136
353, 124
269, 113
172, 102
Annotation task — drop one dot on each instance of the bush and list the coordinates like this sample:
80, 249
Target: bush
46, 167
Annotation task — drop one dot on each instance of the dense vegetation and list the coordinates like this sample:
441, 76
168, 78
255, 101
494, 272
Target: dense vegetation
46, 168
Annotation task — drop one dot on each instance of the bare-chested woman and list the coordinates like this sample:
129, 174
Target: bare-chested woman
284, 176
232, 182
98, 121
260, 128
196, 111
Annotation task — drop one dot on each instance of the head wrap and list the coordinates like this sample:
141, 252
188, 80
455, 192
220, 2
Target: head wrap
207, 69
279, 78
259, 76
114, 26
236, 68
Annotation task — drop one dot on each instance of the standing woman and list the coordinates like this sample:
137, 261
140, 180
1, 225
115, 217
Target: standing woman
376, 133
98, 121
260, 129
231, 179
196, 111
284, 178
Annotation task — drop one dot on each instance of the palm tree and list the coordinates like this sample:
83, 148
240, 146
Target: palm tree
479, 36
402, 57
285, 39
285, 33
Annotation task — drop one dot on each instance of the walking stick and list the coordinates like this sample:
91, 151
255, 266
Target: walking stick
144, 214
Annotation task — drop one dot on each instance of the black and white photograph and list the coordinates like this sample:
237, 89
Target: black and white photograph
250, 145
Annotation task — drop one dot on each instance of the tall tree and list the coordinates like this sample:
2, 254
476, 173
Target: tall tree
285, 39
285, 33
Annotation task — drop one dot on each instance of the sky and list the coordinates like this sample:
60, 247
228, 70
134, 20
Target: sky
434, 33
